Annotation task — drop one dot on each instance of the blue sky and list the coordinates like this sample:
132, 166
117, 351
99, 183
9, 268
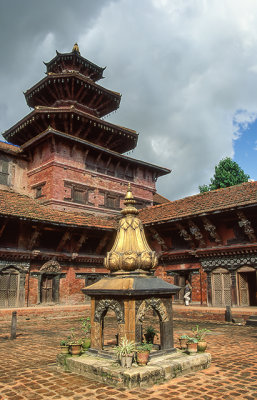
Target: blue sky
246, 150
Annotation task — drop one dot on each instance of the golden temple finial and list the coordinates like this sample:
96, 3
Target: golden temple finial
75, 48
129, 203
130, 251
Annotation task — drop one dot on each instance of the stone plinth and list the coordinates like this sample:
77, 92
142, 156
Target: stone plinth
157, 370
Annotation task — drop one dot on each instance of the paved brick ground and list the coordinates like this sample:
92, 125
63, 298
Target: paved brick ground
28, 370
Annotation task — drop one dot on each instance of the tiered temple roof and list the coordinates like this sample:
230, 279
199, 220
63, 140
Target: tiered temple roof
69, 100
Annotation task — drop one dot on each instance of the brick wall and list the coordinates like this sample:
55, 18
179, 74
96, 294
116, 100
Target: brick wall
58, 171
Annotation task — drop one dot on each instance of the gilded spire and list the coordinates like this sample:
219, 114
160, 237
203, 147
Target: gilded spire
130, 251
129, 203
75, 48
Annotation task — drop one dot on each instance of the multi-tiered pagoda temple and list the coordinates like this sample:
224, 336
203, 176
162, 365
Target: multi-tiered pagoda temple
63, 178
76, 159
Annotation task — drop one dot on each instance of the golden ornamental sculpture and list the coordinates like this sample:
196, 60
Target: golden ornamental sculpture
130, 251
75, 48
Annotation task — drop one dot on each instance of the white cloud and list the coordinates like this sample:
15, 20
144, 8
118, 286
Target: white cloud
186, 70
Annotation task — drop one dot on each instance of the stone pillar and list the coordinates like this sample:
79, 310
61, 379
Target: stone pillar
209, 289
234, 300
56, 288
166, 327
96, 329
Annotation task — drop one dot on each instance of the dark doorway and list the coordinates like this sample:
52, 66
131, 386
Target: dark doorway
247, 288
180, 280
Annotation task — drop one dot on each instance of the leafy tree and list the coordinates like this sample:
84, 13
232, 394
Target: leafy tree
227, 173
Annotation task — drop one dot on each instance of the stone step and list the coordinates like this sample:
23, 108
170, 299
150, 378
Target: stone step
156, 371
252, 320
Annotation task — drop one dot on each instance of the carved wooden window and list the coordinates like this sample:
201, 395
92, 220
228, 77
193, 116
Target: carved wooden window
78, 196
79, 193
4, 172
221, 287
112, 201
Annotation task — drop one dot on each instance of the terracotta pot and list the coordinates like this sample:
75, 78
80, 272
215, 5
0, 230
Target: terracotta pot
64, 349
192, 348
183, 344
75, 349
142, 357
201, 346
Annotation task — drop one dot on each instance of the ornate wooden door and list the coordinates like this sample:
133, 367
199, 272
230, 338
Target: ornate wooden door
9, 289
221, 288
47, 288
243, 289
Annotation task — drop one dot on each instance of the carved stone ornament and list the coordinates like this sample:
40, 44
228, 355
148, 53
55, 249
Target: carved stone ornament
231, 263
51, 266
154, 303
104, 305
22, 267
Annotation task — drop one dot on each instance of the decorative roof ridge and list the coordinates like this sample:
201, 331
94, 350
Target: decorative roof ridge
72, 53
91, 144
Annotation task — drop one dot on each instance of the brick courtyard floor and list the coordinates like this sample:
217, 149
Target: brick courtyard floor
28, 370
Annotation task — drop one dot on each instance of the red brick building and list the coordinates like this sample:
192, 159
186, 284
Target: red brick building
62, 182
209, 239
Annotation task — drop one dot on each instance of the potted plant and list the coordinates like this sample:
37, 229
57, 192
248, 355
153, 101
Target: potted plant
75, 343
143, 352
125, 351
64, 344
192, 344
150, 334
200, 334
183, 342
